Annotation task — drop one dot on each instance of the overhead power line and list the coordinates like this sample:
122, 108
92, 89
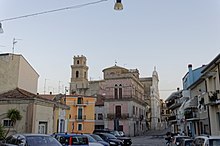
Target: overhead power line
54, 10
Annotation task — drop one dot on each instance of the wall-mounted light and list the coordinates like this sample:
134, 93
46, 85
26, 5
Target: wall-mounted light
118, 5
1, 29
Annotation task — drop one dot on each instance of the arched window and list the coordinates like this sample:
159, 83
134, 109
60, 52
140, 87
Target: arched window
85, 75
120, 91
77, 74
116, 91
77, 61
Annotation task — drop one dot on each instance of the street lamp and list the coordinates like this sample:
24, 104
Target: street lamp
118, 5
1, 29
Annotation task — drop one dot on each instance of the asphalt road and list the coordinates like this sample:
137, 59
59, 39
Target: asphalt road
148, 141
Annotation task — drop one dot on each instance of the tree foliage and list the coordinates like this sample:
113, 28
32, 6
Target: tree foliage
2, 132
13, 115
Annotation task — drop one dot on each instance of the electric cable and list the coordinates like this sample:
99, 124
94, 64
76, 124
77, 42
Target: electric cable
54, 10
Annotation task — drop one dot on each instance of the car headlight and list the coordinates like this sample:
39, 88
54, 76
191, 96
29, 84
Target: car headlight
112, 142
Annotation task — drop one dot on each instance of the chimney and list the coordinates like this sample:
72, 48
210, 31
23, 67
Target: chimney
190, 75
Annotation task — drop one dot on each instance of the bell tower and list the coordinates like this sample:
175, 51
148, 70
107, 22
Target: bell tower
79, 75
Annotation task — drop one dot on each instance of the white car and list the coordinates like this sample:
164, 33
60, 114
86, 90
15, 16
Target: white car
206, 141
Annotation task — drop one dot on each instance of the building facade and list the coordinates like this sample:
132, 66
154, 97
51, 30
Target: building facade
211, 77
81, 115
15, 72
37, 112
127, 97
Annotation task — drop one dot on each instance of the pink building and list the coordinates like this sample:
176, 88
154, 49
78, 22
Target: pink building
126, 97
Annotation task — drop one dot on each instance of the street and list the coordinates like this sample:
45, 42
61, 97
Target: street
148, 141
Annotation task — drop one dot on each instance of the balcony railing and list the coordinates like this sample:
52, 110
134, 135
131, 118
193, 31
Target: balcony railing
83, 103
112, 116
80, 118
171, 118
190, 115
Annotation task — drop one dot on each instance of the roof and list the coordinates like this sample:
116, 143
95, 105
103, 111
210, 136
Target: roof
18, 94
174, 95
191, 103
115, 67
212, 63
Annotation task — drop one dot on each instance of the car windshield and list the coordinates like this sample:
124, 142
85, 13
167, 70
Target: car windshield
97, 137
91, 139
42, 141
116, 133
111, 136
214, 142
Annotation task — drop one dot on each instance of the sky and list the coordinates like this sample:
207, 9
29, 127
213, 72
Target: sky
166, 34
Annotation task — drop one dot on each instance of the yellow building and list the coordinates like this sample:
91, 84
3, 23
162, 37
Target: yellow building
81, 114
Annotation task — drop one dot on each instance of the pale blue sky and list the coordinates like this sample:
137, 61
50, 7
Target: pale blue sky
168, 34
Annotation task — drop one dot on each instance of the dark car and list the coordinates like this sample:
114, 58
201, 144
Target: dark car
30, 140
111, 139
126, 140
100, 140
68, 139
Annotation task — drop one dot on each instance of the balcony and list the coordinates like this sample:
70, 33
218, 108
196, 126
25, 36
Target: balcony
172, 118
214, 97
111, 116
80, 118
190, 115
83, 103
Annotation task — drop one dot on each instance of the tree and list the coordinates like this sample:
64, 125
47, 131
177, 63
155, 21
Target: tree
13, 115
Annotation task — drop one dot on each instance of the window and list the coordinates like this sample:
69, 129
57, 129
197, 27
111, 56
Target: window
79, 100
118, 111
79, 113
79, 127
85, 75
77, 74
100, 116
133, 110
77, 61
116, 91
120, 91
7, 123
42, 128
95, 117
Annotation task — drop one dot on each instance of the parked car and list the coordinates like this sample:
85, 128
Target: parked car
67, 139
186, 142
100, 140
92, 141
121, 133
178, 138
111, 139
30, 140
126, 140
206, 141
